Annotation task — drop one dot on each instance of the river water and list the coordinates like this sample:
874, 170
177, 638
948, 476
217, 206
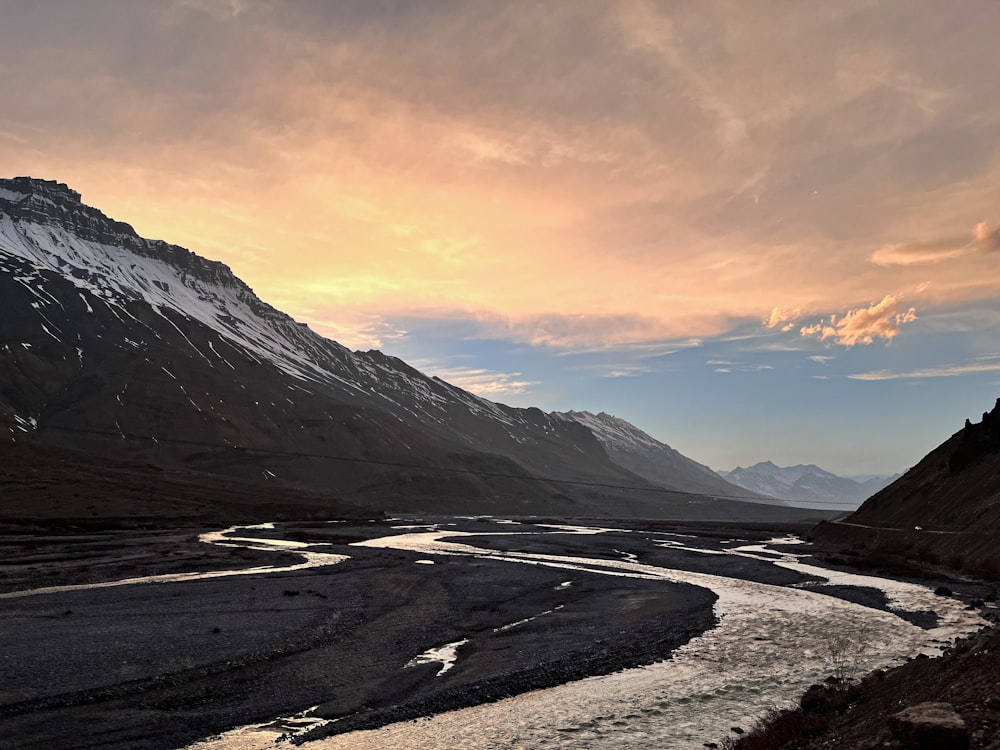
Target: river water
222, 538
771, 643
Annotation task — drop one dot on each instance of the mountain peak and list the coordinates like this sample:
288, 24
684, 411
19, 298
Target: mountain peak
55, 204
28, 186
805, 484
125, 346
57, 207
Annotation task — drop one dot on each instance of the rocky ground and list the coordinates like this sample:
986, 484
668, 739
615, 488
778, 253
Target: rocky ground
160, 665
870, 714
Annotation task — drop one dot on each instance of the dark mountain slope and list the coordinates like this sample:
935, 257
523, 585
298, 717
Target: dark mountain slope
946, 508
633, 449
50, 489
134, 348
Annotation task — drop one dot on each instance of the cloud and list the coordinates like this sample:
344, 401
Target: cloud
880, 320
662, 172
358, 331
821, 359
594, 332
950, 371
482, 382
784, 318
219, 8
13, 137
984, 239
723, 365
624, 371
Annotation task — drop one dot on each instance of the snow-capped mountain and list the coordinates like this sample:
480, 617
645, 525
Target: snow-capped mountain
807, 484
119, 345
637, 451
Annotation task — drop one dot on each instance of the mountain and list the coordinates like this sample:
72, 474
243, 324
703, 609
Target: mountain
806, 484
141, 350
46, 489
945, 509
633, 449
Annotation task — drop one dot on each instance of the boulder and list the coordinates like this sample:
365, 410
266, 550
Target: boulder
815, 700
930, 726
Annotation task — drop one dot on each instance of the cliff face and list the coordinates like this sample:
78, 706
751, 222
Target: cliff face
53, 204
945, 509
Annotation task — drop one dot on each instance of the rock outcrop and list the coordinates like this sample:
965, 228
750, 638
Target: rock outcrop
930, 726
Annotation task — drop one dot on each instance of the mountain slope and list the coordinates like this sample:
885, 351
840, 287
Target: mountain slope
946, 508
130, 347
633, 449
805, 484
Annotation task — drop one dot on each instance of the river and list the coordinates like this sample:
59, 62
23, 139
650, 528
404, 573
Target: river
770, 644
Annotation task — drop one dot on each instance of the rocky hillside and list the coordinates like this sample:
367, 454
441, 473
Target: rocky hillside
135, 348
47, 489
946, 509
948, 703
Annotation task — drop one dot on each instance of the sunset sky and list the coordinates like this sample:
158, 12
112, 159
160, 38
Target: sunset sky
757, 230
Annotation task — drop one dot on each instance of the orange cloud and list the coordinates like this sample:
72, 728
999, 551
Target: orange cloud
863, 325
984, 239
483, 382
354, 166
784, 318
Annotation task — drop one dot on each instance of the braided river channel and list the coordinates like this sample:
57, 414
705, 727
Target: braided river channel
769, 644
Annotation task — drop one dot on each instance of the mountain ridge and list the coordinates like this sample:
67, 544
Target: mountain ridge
111, 336
638, 451
806, 484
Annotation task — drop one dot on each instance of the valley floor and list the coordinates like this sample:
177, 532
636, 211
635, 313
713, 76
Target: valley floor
164, 664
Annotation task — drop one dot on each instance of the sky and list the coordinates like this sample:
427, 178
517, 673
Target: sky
755, 230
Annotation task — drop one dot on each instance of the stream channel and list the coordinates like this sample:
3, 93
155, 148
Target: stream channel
770, 644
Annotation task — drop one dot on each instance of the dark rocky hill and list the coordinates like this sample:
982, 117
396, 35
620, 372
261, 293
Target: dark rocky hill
946, 509
137, 349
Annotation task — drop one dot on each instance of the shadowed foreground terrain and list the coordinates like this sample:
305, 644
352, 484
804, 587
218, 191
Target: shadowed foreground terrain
858, 716
945, 510
44, 488
160, 665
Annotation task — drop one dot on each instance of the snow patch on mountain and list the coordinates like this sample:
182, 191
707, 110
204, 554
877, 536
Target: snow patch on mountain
806, 484
612, 430
46, 231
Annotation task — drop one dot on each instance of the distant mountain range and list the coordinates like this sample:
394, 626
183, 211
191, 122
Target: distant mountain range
120, 346
807, 485
632, 448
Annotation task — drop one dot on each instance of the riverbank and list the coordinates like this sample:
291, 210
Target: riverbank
162, 665
859, 715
